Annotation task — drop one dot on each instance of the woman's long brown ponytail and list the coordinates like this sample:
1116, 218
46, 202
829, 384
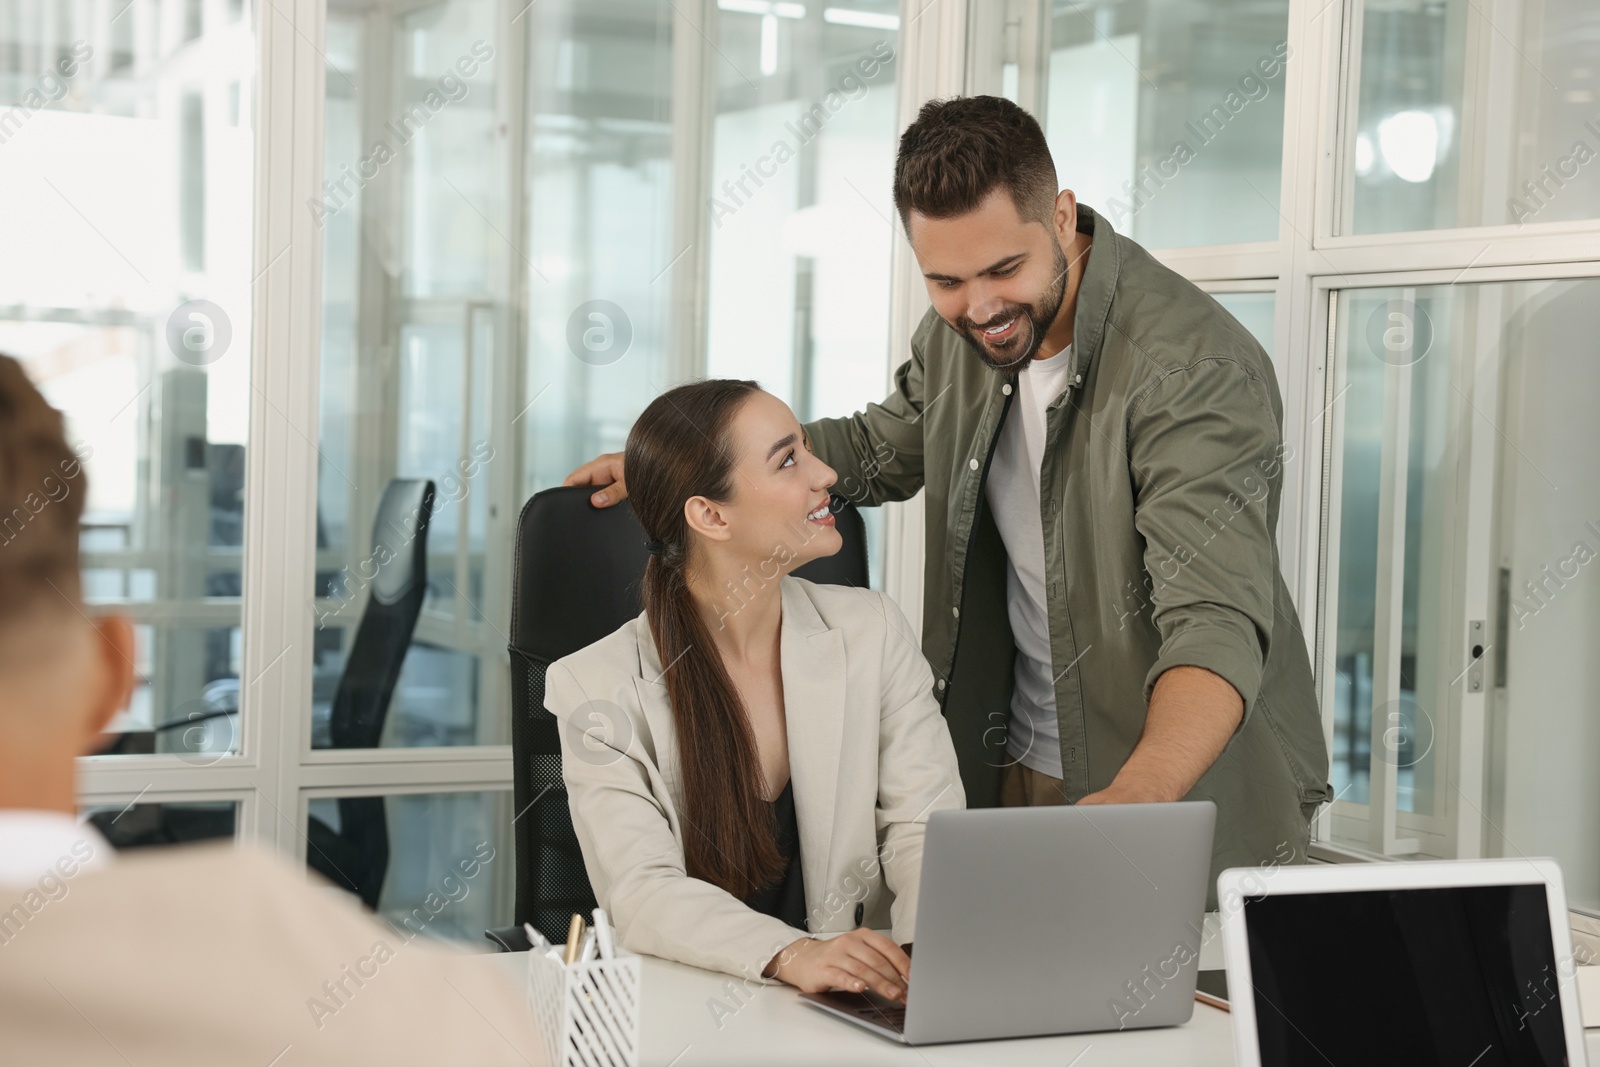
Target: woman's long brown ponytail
679, 448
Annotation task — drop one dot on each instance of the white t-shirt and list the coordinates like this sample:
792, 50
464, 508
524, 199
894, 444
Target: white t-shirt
36, 843
1033, 737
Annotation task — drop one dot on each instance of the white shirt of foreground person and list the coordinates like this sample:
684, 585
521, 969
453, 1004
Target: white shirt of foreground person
36, 843
210, 954
870, 758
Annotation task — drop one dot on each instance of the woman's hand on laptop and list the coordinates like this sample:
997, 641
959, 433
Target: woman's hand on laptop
858, 960
603, 470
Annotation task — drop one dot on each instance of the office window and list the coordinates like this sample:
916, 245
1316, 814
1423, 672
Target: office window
192, 183
1256, 312
448, 869
193, 18
1164, 116
134, 318
416, 239
1467, 115
802, 207
599, 230
1461, 608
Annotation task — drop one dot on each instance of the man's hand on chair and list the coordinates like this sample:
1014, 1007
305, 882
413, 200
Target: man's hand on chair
603, 470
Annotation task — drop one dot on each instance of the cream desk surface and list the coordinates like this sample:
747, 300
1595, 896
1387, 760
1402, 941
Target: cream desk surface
696, 1018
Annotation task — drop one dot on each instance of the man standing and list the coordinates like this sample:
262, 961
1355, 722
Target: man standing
1101, 447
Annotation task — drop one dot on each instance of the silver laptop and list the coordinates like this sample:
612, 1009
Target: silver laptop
1052, 920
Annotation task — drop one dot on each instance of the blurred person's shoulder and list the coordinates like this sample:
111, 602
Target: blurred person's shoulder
214, 953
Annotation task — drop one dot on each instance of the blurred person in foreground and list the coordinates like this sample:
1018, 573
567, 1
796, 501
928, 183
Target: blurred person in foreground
205, 954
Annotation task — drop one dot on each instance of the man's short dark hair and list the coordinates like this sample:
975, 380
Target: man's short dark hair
962, 149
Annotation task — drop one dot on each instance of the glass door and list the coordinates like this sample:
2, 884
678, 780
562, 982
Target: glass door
1406, 626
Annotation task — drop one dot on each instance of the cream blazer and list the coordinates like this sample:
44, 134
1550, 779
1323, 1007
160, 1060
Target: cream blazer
869, 756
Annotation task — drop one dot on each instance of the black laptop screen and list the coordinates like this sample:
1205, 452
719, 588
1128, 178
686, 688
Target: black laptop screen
1454, 976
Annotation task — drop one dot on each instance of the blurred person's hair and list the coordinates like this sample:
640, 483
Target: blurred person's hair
42, 489
960, 150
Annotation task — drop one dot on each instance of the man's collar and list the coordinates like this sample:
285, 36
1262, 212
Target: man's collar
1099, 282
35, 843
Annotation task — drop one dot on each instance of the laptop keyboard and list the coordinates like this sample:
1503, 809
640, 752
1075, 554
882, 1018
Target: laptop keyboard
893, 1018
885, 1013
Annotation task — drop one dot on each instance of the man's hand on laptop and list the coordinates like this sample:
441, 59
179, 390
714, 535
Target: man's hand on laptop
859, 960
1118, 793
605, 471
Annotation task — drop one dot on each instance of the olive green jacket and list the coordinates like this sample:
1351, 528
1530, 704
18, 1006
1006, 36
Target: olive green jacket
1159, 495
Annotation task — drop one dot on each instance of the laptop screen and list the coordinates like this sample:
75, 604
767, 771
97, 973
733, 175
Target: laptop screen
1451, 976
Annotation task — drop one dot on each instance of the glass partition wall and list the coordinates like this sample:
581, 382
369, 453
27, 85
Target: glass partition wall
354, 248
1165, 117
505, 225
1459, 503
1460, 523
127, 160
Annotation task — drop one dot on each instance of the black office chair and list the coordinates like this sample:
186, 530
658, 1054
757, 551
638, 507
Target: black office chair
157, 823
577, 577
356, 855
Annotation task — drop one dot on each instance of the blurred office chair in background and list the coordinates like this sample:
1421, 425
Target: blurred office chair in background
355, 854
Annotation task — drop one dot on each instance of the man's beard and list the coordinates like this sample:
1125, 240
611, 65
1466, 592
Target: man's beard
1015, 352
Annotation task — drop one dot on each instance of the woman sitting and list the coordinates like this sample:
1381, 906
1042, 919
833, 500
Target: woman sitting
754, 757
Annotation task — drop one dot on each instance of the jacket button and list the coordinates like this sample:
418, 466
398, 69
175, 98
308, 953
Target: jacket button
1077, 380
973, 463
940, 685
861, 911
956, 612
1006, 389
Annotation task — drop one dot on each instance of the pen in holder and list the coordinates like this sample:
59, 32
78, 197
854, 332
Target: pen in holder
588, 1012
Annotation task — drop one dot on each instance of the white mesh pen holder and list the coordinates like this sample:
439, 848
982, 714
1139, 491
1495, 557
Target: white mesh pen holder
588, 1012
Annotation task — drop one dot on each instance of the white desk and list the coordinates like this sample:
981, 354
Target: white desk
775, 1028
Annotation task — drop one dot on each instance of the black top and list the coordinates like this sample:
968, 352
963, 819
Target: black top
785, 898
